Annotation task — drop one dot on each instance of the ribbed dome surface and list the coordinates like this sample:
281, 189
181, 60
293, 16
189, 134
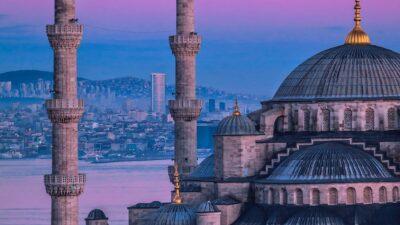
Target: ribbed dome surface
314, 216
96, 214
175, 214
346, 72
328, 163
236, 125
207, 207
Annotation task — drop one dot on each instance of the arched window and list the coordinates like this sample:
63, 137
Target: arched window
368, 197
265, 196
333, 196
271, 196
351, 196
392, 118
277, 198
382, 195
315, 197
299, 197
284, 196
348, 119
279, 125
369, 119
296, 120
396, 194
326, 120
307, 116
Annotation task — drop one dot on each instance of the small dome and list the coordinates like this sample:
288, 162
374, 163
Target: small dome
314, 216
96, 214
207, 207
328, 163
236, 125
175, 214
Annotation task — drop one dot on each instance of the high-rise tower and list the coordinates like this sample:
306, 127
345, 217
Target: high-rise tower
185, 109
158, 93
64, 185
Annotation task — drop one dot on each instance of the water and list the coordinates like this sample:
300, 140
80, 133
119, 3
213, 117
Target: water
111, 187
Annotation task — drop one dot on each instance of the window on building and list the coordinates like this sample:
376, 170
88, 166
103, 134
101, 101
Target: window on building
392, 118
326, 120
396, 194
299, 197
348, 119
351, 196
315, 197
307, 116
284, 196
333, 196
368, 197
382, 195
370, 119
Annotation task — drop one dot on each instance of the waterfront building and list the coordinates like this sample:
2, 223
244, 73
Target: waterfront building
158, 93
211, 105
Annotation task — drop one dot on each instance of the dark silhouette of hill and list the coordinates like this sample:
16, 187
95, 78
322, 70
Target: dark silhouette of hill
27, 76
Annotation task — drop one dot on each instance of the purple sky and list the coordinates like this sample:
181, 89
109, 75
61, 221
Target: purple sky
249, 45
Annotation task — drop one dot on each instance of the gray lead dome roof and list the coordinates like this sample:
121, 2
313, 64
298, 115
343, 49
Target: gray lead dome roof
314, 216
175, 214
330, 162
236, 125
346, 72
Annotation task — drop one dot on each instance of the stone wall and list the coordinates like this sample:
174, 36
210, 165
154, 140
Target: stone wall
141, 216
335, 116
328, 194
230, 213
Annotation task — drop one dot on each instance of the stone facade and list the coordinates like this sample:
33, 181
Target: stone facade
209, 218
330, 116
64, 185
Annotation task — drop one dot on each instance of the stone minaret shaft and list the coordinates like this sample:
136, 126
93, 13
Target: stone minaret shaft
64, 185
185, 109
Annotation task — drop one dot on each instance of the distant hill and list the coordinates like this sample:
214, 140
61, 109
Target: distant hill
26, 76
131, 87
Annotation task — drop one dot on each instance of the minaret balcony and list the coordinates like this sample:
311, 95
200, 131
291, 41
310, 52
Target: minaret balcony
185, 44
65, 110
64, 36
185, 109
64, 185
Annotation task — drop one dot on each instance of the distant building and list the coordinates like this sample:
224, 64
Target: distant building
211, 105
158, 93
222, 106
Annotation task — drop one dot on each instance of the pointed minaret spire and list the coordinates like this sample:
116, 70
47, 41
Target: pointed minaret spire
177, 197
237, 111
357, 36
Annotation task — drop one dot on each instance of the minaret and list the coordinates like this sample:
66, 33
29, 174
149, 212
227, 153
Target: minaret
64, 185
185, 109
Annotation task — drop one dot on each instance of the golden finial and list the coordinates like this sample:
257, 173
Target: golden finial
357, 35
177, 197
236, 112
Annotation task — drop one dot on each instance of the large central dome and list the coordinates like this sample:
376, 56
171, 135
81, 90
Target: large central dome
346, 72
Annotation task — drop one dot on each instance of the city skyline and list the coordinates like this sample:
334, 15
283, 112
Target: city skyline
258, 43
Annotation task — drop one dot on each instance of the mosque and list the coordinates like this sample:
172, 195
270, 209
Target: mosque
325, 150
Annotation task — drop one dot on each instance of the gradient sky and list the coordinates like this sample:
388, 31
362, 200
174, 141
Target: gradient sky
249, 46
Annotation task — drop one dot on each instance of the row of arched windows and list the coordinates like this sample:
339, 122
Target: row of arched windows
276, 196
348, 119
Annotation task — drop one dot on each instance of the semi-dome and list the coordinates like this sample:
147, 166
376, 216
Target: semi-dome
330, 162
314, 216
175, 214
236, 124
346, 72
96, 214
